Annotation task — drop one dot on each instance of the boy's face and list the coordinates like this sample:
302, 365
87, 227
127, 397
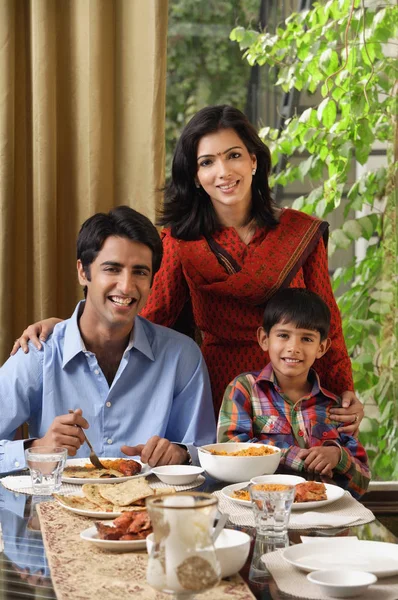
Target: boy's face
292, 351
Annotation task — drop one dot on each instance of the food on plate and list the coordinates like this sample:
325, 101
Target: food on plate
266, 487
93, 499
253, 451
310, 491
118, 467
127, 527
126, 493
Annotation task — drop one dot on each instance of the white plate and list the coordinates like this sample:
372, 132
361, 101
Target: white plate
229, 490
379, 558
77, 462
91, 535
333, 493
90, 513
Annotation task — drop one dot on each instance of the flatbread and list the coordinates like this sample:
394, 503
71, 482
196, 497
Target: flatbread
92, 494
82, 472
77, 502
126, 493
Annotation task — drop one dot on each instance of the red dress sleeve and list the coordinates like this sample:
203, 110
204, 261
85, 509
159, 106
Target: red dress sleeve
169, 290
334, 368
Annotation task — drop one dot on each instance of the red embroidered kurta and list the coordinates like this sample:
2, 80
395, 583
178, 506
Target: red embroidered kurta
228, 309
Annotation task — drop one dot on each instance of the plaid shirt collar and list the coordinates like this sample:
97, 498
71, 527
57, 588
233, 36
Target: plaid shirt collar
268, 375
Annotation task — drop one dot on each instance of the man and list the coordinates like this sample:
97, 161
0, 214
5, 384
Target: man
129, 381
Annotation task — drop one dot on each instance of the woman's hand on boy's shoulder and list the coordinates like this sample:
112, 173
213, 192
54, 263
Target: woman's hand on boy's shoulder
320, 459
351, 413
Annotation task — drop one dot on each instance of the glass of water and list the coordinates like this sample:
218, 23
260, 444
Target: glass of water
45, 465
272, 504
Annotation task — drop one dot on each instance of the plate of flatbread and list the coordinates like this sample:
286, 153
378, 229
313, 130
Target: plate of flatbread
103, 501
80, 470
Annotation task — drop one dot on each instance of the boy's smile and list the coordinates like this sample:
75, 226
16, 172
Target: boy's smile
292, 351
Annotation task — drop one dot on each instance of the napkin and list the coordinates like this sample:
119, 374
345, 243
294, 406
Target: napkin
318, 519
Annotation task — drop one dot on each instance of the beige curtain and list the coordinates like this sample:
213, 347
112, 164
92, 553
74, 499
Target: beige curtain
82, 104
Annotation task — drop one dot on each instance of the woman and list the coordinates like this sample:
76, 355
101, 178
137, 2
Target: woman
227, 248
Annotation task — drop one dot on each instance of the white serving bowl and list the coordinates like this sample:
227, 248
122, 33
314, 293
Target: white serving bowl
281, 479
342, 583
235, 469
177, 474
232, 549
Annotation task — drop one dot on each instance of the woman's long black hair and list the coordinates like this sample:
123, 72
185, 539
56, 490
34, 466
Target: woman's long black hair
187, 209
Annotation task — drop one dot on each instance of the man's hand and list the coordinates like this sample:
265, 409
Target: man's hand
157, 452
64, 433
320, 459
351, 413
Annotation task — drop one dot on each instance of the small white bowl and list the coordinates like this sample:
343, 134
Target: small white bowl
281, 479
235, 469
232, 549
342, 583
177, 474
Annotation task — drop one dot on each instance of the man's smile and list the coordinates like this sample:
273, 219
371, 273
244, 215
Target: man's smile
122, 300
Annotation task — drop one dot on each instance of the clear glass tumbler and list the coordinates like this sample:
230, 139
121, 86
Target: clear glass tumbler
45, 465
183, 560
272, 504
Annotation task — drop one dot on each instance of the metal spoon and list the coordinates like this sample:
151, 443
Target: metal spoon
93, 457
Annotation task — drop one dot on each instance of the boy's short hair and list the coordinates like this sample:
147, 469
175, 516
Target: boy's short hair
302, 307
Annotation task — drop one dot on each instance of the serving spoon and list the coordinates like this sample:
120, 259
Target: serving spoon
93, 457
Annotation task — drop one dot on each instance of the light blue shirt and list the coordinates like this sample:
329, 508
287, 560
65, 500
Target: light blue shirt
161, 388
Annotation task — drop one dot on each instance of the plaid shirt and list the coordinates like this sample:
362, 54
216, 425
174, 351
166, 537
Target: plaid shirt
254, 409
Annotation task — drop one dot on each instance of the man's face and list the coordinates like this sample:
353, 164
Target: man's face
119, 284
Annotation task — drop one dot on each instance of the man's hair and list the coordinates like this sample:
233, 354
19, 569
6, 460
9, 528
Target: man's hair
122, 221
303, 308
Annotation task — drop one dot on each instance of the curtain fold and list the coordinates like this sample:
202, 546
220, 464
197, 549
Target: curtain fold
82, 109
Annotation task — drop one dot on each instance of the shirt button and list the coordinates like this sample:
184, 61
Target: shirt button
96, 371
301, 433
108, 404
16, 463
109, 441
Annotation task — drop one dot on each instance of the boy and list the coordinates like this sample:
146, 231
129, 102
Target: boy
285, 405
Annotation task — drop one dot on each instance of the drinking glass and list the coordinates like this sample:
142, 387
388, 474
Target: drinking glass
183, 560
271, 506
45, 465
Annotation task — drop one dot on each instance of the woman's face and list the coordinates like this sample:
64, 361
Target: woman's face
225, 171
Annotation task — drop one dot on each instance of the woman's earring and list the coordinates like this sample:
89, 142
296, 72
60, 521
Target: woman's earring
254, 172
197, 184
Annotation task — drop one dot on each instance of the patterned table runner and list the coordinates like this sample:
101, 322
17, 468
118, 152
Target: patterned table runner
83, 572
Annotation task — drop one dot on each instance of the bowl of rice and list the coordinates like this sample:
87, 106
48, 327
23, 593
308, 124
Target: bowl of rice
234, 462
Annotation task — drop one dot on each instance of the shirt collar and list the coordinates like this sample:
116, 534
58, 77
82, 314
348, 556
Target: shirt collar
73, 343
267, 374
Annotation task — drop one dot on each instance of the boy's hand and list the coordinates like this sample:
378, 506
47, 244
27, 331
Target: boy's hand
321, 459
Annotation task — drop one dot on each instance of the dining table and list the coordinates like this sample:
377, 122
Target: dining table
25, 572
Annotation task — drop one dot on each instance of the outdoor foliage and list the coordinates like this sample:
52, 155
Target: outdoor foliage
339, 48
204, 66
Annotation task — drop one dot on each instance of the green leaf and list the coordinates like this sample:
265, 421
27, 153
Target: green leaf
353, 229
340, 239
385, 297
329, 61
379, 308
327, 112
